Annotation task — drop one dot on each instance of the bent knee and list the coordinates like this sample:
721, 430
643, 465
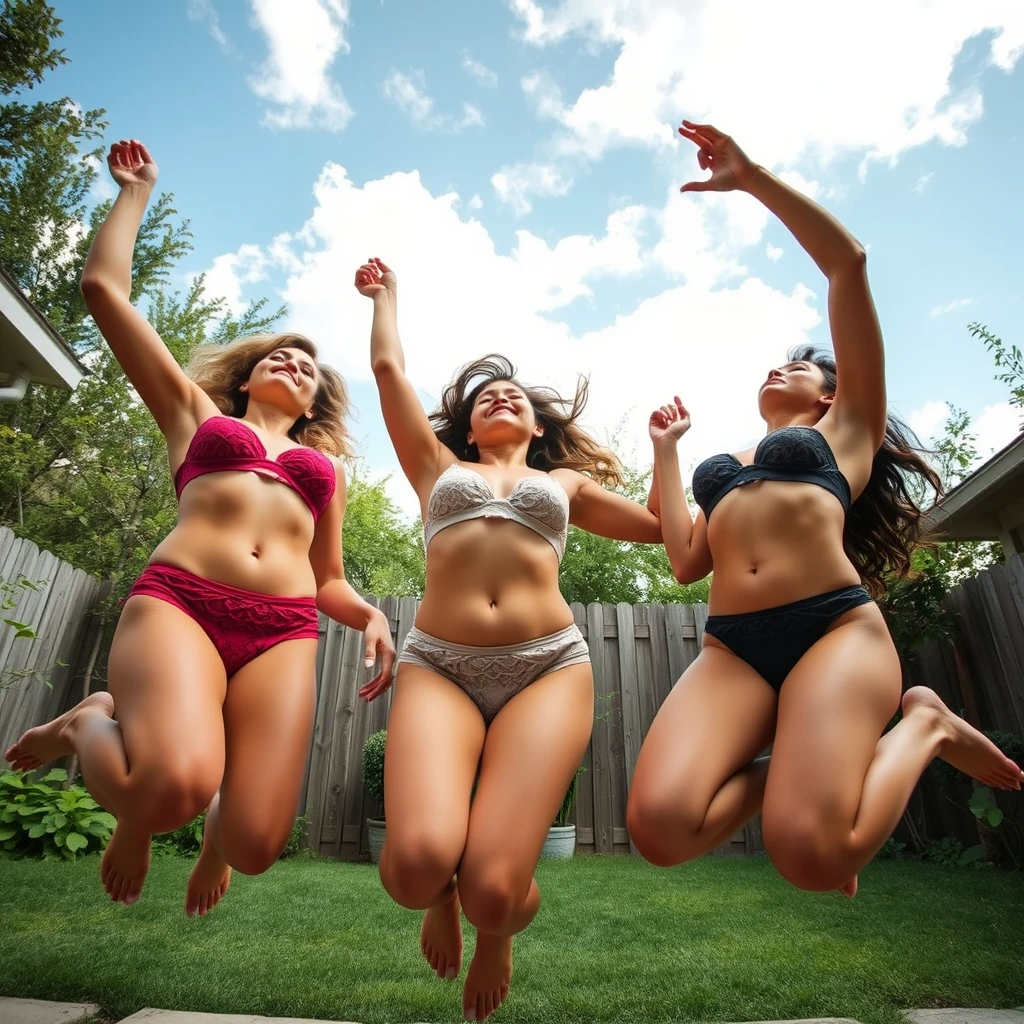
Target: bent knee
414, 869
489, 899
663, 831
809, 854
254, 847
175, 796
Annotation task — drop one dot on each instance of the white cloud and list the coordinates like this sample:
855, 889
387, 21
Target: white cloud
304, 38
669, 61
949, 307
514, 184
710, 346
102, 187
475, 203
996, 426
773, 252
231, 271
480, 72
203, 12
928, 421
919, 185
409, 94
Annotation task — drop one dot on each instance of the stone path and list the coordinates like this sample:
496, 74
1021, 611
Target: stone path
34, 1011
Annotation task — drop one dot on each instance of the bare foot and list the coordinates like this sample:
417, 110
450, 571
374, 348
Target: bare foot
441, 937
849, 888
125, 863
209, 880
965, 747
47, 742
490, 975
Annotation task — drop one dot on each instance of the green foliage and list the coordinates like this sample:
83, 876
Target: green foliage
11, 592
891, 849
384, 553
27, 31
565, 811
373, 766
42, 820
948, 852
1008, 358
187, 841
598, 569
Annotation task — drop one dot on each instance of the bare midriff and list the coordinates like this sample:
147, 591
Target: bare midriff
774, 542
243, 529
491, 582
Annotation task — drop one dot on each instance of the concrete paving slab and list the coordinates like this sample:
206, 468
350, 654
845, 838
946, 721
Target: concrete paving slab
966, 1016
39, 1011
153, 1016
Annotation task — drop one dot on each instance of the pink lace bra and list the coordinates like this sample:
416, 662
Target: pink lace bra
224, 444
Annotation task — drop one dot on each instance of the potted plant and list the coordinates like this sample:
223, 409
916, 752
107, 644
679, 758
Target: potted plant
561, 841
373, 780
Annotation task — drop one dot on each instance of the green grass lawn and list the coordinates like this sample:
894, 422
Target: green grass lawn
615, 940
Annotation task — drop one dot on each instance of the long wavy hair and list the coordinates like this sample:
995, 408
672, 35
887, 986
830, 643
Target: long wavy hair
884, 524
221, 370
564, 443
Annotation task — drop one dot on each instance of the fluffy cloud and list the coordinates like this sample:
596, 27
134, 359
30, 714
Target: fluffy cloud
949, 307
304, 37
700, 60
993, 427
461, 298
514, 184
480, 72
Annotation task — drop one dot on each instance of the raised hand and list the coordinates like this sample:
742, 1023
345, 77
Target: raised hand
374, 277
130, 164
730, 167
670, 422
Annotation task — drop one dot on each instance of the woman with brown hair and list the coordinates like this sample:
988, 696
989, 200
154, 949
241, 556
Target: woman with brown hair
211, 671
494, 682
801, 533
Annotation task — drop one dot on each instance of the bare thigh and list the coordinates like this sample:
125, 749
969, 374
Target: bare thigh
168, 685
533, 748
268, 722
717, 719
834, 707
435, 737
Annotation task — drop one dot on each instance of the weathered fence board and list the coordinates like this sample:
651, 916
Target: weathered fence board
39, 677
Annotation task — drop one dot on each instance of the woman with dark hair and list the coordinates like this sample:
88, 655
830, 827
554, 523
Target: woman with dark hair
801, 532
494, 681
211, 670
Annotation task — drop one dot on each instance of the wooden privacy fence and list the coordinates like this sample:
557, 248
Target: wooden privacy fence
638, 652
37, 676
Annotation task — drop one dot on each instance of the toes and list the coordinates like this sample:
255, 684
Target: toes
452, 973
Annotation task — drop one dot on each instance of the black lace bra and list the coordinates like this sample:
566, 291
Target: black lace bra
798, 454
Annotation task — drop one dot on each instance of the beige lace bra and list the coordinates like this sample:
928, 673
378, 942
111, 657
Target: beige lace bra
536, 502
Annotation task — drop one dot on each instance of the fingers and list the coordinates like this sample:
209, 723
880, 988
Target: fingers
698, 186
709, 131
381, 265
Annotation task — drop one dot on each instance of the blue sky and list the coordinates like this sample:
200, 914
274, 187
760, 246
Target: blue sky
516, 163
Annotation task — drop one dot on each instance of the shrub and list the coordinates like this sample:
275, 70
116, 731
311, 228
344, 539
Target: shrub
187, 841
40, 819
565, 811
373, 766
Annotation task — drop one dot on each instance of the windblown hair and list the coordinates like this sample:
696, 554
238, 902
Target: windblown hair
221, 370
884, 524
564, 444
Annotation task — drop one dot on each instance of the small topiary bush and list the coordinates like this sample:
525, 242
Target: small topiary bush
41, 818
373, 766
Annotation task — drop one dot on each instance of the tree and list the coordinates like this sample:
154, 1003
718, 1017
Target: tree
1009, 358
599, 569
384, 554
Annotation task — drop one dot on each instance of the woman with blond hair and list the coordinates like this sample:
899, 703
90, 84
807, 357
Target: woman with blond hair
496, 687
211, 672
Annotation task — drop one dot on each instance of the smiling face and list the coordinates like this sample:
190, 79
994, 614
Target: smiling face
287, 378
796, 388
502, 414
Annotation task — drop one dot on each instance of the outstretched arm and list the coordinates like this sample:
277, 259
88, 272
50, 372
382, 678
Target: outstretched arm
419, 452
336, 597
856, 335
685, 538
162, 385
597, 510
